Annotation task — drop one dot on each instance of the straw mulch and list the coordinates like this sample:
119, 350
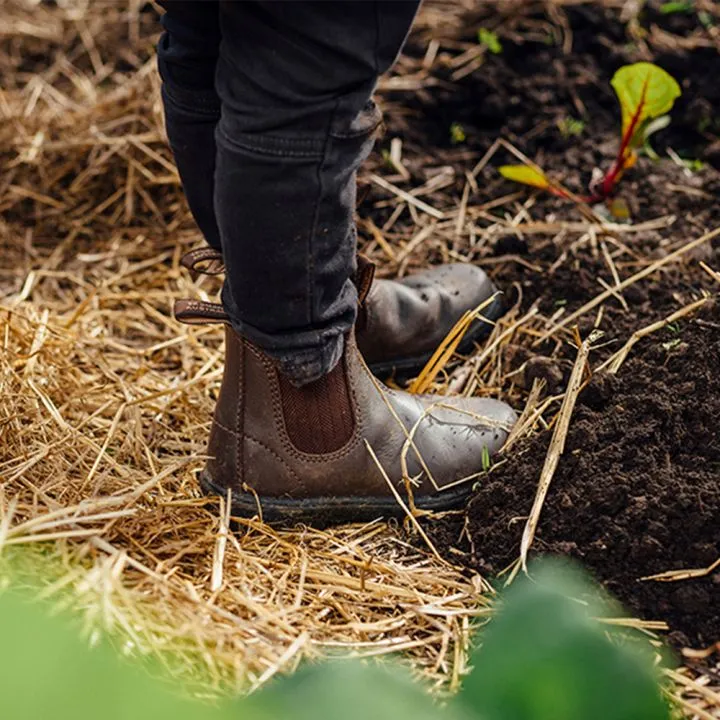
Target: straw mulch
106, 400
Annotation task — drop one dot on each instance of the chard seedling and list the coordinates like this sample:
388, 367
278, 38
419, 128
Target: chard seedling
646, 94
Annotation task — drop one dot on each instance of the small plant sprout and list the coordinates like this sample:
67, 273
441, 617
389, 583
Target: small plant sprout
671, 344
646, 94
571, 127
672, 7
457, 134
486, 462
490, 40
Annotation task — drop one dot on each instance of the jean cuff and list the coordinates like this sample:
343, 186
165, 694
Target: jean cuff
303, 356
306, 366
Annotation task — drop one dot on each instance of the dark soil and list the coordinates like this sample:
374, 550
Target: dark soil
637, 491
523, 92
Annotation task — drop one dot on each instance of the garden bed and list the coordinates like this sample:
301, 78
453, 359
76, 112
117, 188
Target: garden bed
637, 491
107, 399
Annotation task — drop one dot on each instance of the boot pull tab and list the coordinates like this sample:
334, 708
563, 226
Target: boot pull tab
364, 276
208, 261
199, 312
204, 260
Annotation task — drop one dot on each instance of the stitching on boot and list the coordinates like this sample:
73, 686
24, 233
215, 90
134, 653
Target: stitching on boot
282, 460
240, 417
249, 438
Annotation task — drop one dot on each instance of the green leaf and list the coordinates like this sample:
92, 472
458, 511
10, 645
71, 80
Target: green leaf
669, 8
490, 40
486, 461
645, 91
352, 691
47, 671
546, 657
571, 127
526, 175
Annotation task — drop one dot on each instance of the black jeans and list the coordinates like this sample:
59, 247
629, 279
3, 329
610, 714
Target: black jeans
269, 113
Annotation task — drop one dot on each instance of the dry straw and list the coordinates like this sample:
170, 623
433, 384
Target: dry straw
106, 400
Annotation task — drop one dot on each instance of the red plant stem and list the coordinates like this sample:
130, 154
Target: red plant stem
613, 175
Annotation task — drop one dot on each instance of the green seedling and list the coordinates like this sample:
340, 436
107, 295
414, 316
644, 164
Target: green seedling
486, 462
457, 134
646, 94
672, 7
571, 127
490, 40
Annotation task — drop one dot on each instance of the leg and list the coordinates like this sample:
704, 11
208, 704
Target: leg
187, 58
296, 80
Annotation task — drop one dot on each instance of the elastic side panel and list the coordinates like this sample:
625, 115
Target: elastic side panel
319, 416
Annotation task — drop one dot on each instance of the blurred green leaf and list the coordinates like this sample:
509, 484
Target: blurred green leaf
545, 657
353, 691
669, 8
46, 671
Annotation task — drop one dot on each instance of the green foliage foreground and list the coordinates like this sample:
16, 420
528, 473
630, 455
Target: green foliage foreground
543, 657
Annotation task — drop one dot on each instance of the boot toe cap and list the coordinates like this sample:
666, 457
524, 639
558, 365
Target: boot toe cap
467, 286
488, 421
501, 417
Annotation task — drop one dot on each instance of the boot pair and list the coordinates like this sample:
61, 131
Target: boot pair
346, 448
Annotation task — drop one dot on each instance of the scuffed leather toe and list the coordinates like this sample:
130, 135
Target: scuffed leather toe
405, 320
465, 286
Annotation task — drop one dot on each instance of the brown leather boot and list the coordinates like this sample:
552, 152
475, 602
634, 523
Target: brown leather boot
402, 322
305, 454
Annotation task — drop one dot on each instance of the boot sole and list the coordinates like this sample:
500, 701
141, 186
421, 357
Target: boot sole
405, 367
322, 512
